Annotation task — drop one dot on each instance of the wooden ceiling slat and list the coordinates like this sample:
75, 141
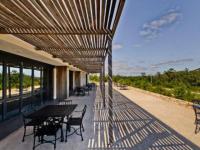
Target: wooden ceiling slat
107, 13
89, 14
111, 13
71, 14
93, 11
98, 4
85, 16
118, 14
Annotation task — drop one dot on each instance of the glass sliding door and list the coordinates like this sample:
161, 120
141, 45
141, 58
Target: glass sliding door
27, 86
12, 92
37, 86
24, 84
1, 92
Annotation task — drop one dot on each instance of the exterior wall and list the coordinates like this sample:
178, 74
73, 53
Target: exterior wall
83, 79
61, 76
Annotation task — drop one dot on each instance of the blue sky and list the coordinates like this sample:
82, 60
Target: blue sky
155, 35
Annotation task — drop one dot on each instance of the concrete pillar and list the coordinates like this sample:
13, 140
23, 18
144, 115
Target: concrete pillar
110, 94
67, 82
54, 83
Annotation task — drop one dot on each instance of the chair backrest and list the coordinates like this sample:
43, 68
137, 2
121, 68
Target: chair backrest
65, 102
197, 111
196, 101
83, 112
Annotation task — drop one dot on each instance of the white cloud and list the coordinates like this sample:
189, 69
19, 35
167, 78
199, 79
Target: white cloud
117, 46
151, 29
172, 62
124, 68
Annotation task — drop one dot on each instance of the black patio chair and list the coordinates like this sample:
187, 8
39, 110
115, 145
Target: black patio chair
87, 90
65, 102
49, 129
89, 86
197, 117
76, 121
80, 91
27, 122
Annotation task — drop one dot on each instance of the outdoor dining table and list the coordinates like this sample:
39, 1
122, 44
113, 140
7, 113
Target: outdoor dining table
53, 111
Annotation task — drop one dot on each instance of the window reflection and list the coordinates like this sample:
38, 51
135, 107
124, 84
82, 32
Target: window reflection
13, 82
37, 82
27, 81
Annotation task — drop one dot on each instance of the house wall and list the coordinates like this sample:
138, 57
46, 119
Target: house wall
83, 78
61, 82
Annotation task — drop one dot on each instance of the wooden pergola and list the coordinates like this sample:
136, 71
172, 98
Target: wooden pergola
79, 32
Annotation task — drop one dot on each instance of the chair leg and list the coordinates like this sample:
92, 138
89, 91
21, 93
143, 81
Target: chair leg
24, 134
81, 133
55, 142
196, 129
61, 136
83, 128
34, 142
66, 134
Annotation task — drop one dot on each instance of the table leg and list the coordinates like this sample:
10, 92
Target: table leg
68, 127
62, 137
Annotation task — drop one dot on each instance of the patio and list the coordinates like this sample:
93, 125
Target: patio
134, 128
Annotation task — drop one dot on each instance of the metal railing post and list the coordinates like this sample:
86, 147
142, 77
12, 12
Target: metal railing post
110, 94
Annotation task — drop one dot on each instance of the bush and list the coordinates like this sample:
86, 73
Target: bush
183, 93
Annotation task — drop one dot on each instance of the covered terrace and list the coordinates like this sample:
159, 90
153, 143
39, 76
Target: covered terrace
58, 43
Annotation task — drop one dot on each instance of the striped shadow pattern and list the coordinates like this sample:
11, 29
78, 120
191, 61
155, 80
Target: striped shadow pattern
134, 128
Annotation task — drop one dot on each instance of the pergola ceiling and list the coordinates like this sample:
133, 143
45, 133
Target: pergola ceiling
76, 31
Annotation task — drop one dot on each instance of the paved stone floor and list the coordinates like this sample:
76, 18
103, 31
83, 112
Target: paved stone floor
134, 128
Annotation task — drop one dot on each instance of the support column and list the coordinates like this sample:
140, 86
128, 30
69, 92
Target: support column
67, 82
110, 94
103, 85
54, 84
21, 86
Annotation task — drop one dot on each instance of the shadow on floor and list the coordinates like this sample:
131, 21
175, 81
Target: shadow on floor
134, 128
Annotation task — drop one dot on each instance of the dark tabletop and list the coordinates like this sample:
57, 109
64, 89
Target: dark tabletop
53, 111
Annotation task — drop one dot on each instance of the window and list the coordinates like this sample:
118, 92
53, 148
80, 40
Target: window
12, 93
1, 80
37, 78
13, 82
27, 81
1, 110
